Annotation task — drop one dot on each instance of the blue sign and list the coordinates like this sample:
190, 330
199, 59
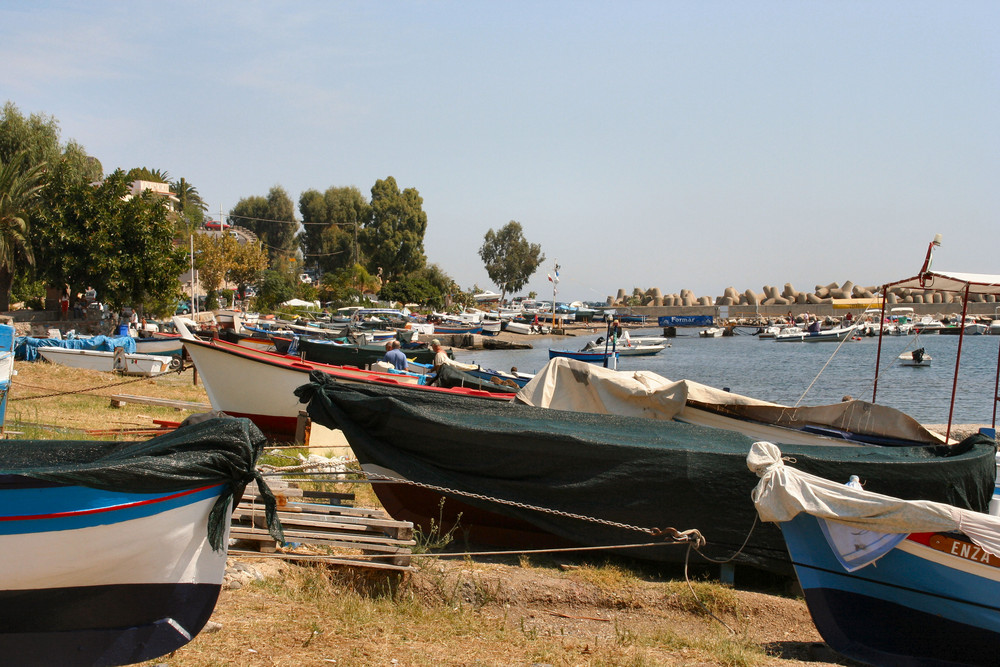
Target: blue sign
685, 320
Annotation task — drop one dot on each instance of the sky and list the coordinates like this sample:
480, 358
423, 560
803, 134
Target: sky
668, 144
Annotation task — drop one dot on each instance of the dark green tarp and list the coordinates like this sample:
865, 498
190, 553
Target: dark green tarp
637, 471
206, 452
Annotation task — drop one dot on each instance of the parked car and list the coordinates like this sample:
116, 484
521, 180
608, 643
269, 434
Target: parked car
305, 278
217, 225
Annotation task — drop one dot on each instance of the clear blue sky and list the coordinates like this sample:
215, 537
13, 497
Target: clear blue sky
662, 144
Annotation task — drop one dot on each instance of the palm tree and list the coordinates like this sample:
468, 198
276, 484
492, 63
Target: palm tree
188, 195
19, 189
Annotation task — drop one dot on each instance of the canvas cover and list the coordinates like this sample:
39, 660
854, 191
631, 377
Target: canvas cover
633, 470
783, 492
26, 347
565, 384
211, 451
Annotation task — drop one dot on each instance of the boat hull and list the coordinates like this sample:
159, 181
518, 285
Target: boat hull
658, 472
227, 369
103, 577
899, 610
590, 357
132, 364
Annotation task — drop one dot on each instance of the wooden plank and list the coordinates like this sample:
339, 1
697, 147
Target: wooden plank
296, 514
162, 402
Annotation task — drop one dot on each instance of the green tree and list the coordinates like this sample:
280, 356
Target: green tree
348, 285
272, 219
92, 235
331, 222
393, 239
247, 263
19, 188
213, 255
147, 174
510, 260
275, 288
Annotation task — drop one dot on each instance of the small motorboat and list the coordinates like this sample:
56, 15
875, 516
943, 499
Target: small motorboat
915, 358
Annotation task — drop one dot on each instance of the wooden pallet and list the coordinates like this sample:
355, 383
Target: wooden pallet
317, 519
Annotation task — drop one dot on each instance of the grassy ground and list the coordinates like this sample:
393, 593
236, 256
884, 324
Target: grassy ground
500, 611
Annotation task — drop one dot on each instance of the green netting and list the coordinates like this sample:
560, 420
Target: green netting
211, 451
638, 471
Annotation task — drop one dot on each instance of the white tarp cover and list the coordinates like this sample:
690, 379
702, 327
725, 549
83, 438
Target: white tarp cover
952, 281
567, 384
784, 492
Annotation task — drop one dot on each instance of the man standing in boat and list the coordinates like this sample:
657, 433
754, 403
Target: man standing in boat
395, 356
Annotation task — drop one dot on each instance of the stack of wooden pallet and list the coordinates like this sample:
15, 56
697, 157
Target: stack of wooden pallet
336, 531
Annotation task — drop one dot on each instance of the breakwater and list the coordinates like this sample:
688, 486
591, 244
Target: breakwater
788, 295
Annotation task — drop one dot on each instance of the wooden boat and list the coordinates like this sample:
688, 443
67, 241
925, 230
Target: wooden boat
169, 345
227, 369
626, 349
457, 328
119, 360
590, 356
359, 356
491, 327
524, 328
887, 581
116, 551
479, 378
482, 456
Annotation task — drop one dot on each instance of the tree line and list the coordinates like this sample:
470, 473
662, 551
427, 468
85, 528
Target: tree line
64, 222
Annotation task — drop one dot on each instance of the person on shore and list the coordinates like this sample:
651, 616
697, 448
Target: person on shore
64, 303
90, 296
395, 356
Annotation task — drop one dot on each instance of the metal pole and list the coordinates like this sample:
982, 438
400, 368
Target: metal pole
958, 358
878, 355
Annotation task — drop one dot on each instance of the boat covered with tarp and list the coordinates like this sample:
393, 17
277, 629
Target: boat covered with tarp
520, 477
565, 384
116, 551
26, 347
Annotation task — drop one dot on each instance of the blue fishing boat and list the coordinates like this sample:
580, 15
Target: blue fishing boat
457, 328
887, 581
116, 551
590, 356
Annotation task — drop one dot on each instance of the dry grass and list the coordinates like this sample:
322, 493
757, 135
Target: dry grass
51, 401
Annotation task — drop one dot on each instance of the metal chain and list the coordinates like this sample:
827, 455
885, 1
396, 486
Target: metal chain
84, 391
692, 536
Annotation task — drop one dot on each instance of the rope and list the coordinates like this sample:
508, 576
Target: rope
86, 390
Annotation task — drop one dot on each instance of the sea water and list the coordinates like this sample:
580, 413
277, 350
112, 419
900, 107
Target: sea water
804, 373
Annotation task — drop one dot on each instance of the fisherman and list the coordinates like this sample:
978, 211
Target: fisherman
395, 356
440, 356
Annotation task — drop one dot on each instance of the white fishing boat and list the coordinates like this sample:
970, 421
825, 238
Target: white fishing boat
797, 335
119, 360
712, 332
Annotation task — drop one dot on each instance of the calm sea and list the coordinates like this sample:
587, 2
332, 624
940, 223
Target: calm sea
783, 372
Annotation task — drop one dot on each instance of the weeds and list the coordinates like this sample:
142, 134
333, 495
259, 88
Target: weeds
435, 539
